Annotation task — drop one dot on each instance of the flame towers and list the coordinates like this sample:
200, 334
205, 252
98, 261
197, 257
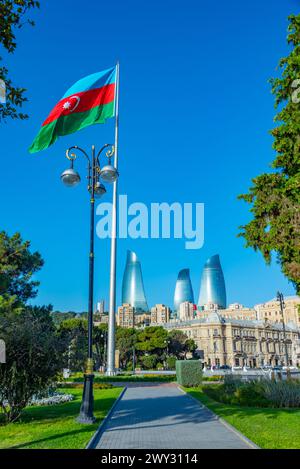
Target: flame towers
212, 288
183, 289
133, 291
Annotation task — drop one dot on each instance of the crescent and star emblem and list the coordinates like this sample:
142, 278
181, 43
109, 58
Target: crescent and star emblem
71, 105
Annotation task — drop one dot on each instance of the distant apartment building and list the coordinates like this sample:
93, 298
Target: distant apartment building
160, 314
186, 311
128, 317
238, 342
142, 319
100, 307
100, 319
270, 311
125, 317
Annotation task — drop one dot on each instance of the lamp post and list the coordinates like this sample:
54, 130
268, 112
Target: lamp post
280, 298
104, 337
71, 178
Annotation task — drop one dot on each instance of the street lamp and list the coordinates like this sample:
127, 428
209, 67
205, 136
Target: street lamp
71, 178
104, 337
280, 298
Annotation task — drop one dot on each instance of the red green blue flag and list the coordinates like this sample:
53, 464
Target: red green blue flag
89, 101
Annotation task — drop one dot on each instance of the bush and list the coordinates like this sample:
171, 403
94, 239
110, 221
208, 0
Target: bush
250, 394
263, 393
189, 372
283, 393
245, 394
232, 383
33, 357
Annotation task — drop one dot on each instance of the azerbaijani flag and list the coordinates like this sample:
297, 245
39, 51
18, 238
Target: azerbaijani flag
89, 101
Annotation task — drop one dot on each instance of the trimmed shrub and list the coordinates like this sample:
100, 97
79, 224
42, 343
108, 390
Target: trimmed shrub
189, 373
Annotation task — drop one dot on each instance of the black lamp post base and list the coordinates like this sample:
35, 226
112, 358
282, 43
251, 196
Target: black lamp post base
86, 415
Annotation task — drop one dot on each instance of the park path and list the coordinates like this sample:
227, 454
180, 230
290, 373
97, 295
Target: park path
162, 416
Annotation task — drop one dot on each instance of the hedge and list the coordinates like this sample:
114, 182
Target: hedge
189, 372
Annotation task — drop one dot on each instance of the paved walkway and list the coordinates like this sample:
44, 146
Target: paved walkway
163, 417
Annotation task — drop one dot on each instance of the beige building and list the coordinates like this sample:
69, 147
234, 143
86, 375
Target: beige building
127, 317
271, 310
237, 342
234, 311
160, 314
142, 319
186, 311
100, 319
238, 311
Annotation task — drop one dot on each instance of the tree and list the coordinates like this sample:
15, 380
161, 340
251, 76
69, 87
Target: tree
12, 13
177, 340
74, 334
190, 346
152, 339
33, 352
125, 341
17, 266
275, 196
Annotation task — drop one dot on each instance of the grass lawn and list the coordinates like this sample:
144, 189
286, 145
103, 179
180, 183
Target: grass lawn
99, 378
55, 427
267, 427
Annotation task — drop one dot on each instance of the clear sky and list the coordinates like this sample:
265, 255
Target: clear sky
195, 111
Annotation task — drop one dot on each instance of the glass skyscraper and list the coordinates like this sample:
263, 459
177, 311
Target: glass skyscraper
212, 288
133, 291
183, 289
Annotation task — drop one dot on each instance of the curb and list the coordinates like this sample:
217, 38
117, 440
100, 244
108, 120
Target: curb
97, 435
221, 420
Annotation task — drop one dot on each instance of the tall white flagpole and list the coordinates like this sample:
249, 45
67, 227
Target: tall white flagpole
110, 371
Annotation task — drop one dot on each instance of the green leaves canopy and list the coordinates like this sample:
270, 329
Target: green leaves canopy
275, 196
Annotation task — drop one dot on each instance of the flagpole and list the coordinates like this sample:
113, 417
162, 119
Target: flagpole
110, 371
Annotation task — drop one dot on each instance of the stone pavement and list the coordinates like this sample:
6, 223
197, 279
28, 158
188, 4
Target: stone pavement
162, 416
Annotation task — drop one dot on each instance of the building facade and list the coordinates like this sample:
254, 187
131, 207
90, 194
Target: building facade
234, 311
186, 311
160, 314
212, 286
236, 342
271, 310
183, 289
128, 317
125, 317
133, 291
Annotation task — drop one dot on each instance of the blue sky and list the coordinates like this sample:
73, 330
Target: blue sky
195, 111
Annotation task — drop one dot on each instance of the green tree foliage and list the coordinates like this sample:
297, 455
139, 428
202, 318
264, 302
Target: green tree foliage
149, 362
74, 334
275, 196
177, 340
12, 17
125, 342
33, 352
152, 345
58, 317
152, 339
17, 266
